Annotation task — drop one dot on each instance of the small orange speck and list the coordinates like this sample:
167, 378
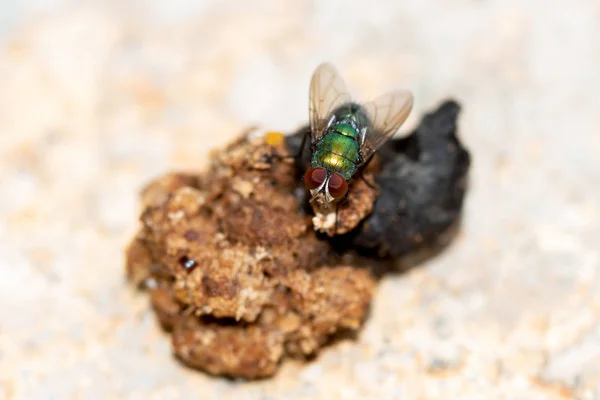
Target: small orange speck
274, 138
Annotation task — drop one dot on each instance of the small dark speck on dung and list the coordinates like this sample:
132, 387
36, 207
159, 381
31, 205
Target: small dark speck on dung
187, 263
268, 158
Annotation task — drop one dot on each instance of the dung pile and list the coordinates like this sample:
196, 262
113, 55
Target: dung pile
235, 269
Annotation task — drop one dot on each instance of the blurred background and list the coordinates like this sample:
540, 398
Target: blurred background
98, 97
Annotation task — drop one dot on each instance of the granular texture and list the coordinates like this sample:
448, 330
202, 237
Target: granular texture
240, 275
236, 272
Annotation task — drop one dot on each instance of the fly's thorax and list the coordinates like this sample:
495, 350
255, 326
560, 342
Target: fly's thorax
346, 129
352, 114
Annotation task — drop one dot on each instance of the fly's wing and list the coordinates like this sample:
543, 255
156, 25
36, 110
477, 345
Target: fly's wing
327, 92
386, 114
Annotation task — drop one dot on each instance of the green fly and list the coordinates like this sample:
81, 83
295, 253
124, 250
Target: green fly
345, 135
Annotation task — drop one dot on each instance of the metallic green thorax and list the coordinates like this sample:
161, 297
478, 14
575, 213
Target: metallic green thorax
338, 150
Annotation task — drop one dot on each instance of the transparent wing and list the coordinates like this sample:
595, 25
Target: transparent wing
386, 114
327, 92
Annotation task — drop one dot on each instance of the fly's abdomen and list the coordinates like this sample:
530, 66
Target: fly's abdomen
337, 153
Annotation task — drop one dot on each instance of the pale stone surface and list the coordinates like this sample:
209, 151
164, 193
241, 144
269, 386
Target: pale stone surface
96, 100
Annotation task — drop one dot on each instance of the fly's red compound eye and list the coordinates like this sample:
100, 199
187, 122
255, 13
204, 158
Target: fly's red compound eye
315, 177
338, 187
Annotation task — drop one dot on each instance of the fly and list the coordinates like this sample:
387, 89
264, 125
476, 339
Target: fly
344, 135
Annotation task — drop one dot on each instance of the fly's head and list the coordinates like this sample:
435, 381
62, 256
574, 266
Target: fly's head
326, 188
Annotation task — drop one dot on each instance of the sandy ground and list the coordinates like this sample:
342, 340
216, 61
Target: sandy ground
97, 99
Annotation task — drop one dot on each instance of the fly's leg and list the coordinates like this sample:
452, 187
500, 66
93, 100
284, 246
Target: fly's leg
369, 184
300, 151
296, 156
360, 172
331, 121
337, 207
361, 136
